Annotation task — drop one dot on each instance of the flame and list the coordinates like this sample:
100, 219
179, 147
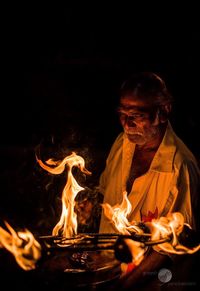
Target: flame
118, 214
170, 226
22, 245
67, 225
167, 229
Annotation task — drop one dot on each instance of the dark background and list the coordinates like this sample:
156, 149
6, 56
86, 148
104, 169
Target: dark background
61, 71
62, 68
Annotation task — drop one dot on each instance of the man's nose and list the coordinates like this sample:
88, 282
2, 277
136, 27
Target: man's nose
130, 122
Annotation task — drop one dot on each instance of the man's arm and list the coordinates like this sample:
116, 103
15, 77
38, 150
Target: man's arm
152, 263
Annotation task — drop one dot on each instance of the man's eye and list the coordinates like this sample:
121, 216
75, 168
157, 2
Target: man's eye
137, 115
133, 116
122, 115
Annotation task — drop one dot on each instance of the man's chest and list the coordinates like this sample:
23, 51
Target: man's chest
139, 166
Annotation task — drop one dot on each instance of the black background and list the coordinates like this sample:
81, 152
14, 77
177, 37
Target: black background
64, 66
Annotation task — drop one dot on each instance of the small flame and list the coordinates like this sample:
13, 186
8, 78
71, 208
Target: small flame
118, 214
22, 245
67, 225
170, 226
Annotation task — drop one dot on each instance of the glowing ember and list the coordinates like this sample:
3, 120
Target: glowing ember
22, 245
67, 225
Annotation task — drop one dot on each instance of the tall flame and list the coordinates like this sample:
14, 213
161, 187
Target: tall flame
22, 245
67, 225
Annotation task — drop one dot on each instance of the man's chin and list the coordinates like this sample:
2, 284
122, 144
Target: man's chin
136, 138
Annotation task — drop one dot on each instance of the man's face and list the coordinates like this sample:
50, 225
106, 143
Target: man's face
139, 120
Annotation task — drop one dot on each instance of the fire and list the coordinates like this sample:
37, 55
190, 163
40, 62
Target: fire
67, 225
164, 231
170, 226
24, 247
118, 216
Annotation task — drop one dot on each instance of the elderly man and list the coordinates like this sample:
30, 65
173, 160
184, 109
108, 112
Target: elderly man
150, 162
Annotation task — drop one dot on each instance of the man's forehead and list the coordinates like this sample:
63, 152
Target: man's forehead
127, 103
135, 108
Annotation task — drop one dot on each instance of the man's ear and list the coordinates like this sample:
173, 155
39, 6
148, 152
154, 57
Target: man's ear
164, 112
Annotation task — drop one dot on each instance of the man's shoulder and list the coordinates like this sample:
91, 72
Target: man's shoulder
184, 156
182, 151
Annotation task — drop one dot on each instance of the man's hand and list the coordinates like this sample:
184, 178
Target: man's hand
88, 209
138, 277
83, 210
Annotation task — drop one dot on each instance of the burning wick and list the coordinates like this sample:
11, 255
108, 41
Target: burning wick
67, 225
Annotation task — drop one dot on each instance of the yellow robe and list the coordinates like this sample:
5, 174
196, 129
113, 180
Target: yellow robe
171, 184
